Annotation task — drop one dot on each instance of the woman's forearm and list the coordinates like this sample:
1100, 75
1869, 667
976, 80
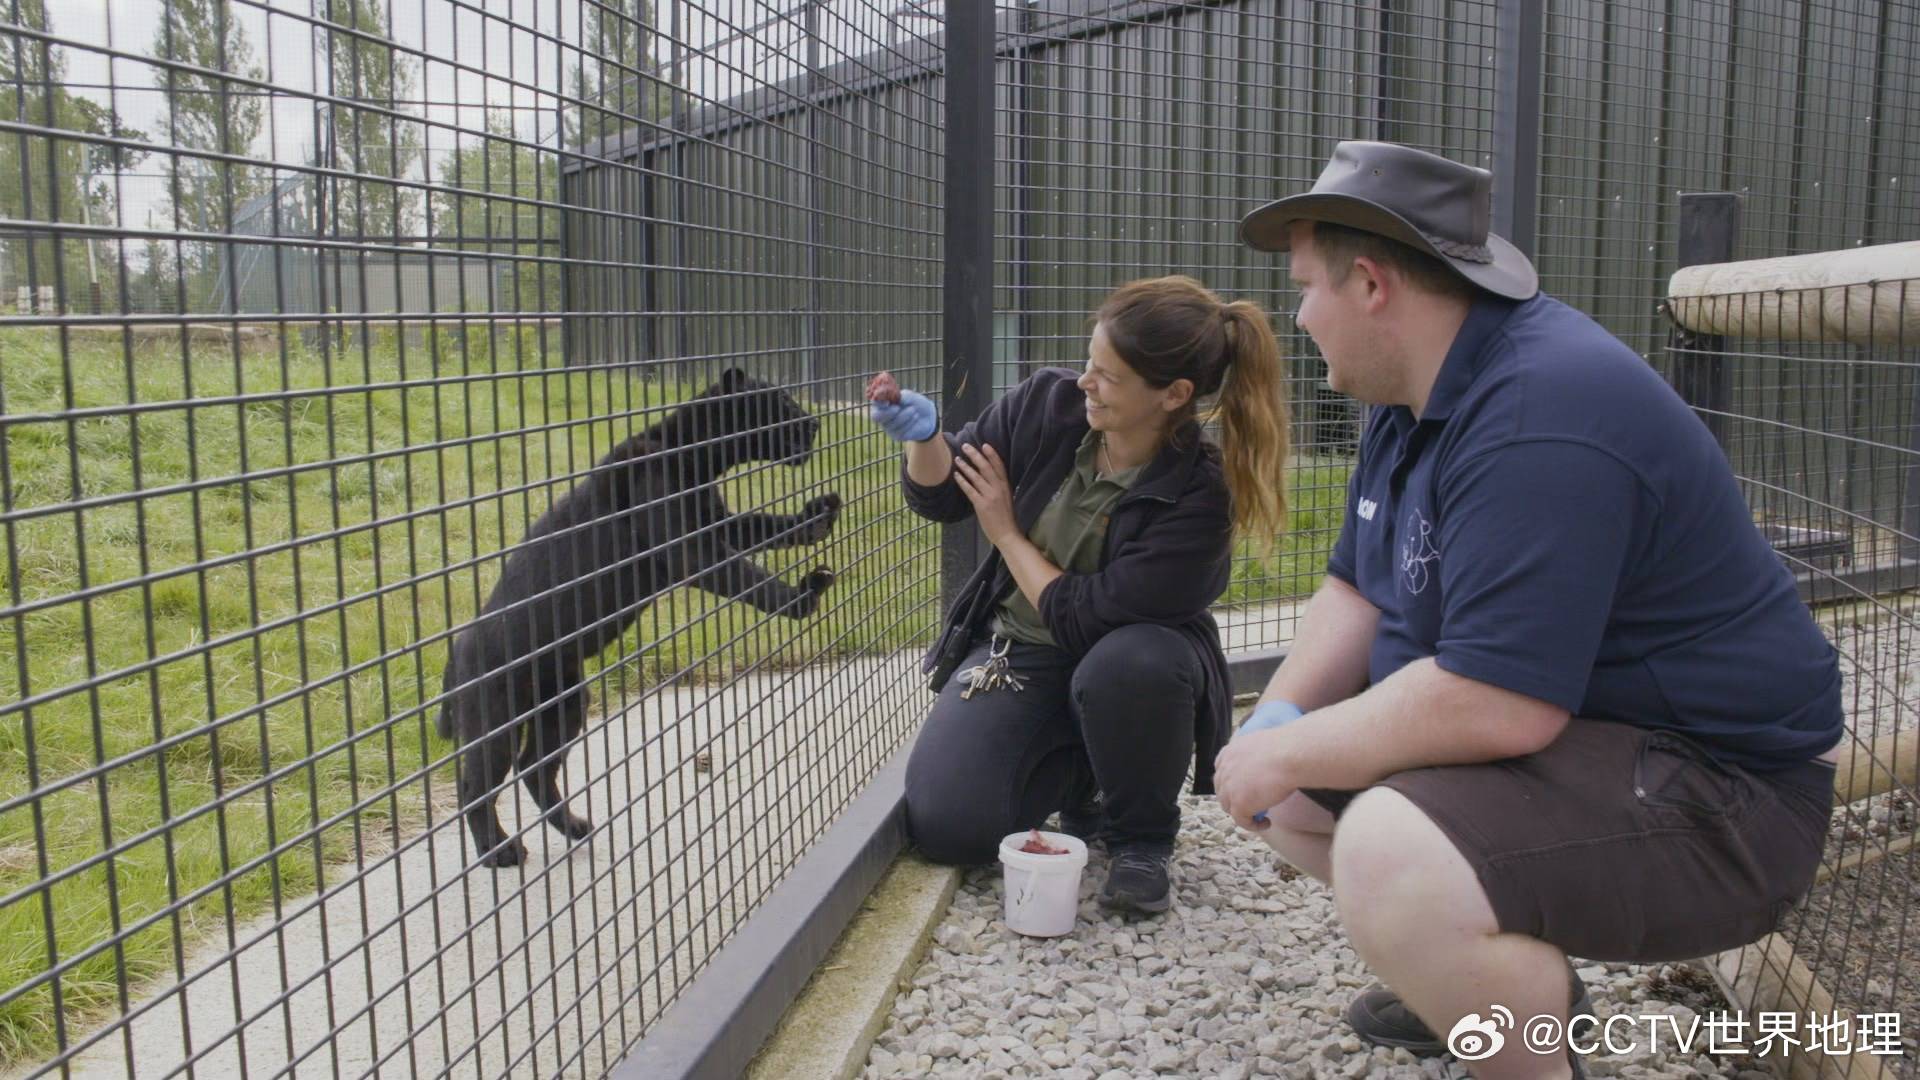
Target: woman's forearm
929, 462
1031, 569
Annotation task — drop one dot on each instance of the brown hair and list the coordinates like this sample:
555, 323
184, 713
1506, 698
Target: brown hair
1339, 245
1176, 328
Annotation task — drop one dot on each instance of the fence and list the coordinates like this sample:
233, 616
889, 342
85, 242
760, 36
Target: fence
1832, 469
244, 516
249, 503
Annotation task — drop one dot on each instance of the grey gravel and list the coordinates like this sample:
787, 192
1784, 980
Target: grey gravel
1247, 976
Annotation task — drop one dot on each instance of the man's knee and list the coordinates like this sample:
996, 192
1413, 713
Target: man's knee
1135, 664
1396, 873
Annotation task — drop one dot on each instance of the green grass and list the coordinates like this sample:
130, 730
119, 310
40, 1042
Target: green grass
469, 430
1316, 501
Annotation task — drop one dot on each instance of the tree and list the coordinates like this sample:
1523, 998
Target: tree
484, 221
53, 177
378, 79
155, 286
208, 113
617, 78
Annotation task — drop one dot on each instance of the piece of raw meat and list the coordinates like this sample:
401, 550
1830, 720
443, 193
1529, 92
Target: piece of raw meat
1037, 845
884, 388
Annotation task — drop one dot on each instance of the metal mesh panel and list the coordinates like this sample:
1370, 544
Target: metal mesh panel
1134, 136
1802, 107
283, 383
1821, 427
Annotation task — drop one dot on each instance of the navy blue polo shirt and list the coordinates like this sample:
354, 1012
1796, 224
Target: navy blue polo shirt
1558, 523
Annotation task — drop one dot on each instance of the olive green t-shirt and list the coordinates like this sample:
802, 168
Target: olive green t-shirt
1072, 531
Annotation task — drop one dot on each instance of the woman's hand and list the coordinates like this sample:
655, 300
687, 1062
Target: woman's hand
908, 417
983, 477
1248, 778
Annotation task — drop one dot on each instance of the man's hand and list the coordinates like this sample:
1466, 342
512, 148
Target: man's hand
1250, 776
1266, 716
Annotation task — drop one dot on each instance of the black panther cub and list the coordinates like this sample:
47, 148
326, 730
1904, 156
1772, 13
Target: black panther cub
647, 519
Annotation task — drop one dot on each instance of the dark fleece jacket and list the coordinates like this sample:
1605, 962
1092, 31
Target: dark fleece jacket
1169, 543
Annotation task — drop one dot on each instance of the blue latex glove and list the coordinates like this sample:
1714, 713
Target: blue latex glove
913, 420
1269, 714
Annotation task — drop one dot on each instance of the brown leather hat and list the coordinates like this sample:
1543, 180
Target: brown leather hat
1423, 200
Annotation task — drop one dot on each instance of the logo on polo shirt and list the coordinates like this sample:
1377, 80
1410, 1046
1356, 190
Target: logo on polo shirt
1416, 551
1367, 507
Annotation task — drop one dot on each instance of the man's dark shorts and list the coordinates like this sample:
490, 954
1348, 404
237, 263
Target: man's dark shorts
1619, 843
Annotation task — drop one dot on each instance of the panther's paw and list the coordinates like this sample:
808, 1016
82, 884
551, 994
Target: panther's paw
811, 589
576, 828
820, 515
511, 853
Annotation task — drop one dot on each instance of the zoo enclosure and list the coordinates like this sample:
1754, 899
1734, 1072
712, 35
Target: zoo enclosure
258, 469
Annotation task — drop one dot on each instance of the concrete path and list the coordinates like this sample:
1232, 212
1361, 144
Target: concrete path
414, 966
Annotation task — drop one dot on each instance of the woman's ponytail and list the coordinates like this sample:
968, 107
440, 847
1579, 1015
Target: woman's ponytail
1252, 410
1173, 327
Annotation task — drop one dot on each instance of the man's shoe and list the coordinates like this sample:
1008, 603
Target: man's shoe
1138, 881
1381, 1018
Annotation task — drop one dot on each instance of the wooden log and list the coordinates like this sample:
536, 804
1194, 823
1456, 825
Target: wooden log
1863, 296
1867, 855
1766, 976
1868, 769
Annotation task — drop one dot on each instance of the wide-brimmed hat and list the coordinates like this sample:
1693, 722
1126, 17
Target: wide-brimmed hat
1423, 200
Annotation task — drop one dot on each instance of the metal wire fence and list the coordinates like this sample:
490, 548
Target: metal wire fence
317, 306
1814, 403
1800, 106
314, 336
1133, 137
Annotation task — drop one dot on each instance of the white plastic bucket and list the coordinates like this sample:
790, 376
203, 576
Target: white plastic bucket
1043, 891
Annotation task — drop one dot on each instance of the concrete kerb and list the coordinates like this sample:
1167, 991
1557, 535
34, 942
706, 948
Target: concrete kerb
830, 1028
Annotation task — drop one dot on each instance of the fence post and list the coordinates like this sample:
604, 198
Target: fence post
1516, 122
1025, 328
966, 381
570, 196
1709, 225
812, 332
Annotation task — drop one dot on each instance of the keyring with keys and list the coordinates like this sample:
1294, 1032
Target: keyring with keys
995, 674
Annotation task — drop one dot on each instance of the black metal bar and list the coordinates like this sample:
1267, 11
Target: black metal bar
572, 287
1516, 123
1383, 73
967, 330
1025, 147
1860, 583
1250, 671
1709, 229
812, 333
